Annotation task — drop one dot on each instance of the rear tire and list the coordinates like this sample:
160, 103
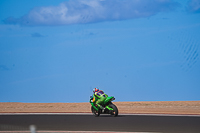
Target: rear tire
95, 112
115, 110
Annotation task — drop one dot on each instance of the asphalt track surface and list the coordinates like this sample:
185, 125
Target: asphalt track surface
87, 122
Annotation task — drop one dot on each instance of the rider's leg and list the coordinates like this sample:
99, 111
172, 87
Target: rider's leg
100, 101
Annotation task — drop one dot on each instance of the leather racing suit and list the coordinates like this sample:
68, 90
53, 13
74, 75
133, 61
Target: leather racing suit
99, 97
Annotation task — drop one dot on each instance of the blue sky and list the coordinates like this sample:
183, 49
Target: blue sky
58, 51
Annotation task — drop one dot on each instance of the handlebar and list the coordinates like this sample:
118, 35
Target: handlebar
91, 97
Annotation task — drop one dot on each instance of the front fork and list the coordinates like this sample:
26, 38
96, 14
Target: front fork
94, 106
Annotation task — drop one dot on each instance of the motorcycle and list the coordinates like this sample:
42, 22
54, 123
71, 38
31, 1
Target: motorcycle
109, 107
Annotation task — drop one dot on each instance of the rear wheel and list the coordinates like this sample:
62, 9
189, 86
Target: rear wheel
114, 112
95, 112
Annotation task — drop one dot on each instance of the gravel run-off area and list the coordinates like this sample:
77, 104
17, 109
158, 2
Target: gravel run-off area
163, 107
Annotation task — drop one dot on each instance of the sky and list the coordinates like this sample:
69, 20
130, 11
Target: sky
135, 50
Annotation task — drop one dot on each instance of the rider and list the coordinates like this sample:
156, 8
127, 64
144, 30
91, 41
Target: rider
99, 96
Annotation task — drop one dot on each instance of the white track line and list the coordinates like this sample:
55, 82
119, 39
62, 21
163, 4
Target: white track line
163, 115
72, 132
92, 114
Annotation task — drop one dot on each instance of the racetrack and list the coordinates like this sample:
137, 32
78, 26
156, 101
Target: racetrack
87, 122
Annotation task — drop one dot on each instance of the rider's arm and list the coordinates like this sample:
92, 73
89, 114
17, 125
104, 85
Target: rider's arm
94, 98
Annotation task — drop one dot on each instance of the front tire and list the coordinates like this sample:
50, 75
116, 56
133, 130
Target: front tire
95, 112
114, 112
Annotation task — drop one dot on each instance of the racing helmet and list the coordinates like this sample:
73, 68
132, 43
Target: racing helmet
95, 90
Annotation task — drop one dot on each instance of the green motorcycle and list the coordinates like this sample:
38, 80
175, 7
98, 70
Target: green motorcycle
110, 108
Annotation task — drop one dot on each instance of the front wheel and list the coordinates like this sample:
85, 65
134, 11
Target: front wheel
95, 112
114, 112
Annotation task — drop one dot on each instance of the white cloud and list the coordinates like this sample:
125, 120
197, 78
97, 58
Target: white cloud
90, 11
